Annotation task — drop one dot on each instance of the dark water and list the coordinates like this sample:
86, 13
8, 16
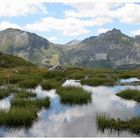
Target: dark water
78, 121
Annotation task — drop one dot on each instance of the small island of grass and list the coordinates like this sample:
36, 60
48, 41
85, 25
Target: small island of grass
130, 94
98, 81
132, 125
74, 95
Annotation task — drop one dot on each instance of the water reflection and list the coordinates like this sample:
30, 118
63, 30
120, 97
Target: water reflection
43, 93
129, 80
79, 120
5, 103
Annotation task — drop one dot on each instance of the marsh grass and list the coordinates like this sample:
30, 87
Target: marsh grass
29, 83
98, 81
38, 103
73, 95
19, 116
55, 75
25, 94
50, 84
132, 125
130, 94
5, 92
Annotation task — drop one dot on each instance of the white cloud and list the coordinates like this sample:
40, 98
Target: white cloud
124, 12
99, 13
102, 30
128, 13
5, 24
52, 38
135, 32
68, 26
21, 7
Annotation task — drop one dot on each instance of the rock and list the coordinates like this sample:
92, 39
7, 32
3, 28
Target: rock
57, 68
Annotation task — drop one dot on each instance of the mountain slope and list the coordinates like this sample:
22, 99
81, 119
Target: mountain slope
7, 61
110, 49
27, 45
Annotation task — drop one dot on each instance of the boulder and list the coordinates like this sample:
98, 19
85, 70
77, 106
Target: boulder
57, 68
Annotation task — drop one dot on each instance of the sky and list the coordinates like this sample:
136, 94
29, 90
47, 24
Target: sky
64, 20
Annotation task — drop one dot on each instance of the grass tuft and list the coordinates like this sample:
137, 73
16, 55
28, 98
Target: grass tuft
74, 95
130, 94
132, 125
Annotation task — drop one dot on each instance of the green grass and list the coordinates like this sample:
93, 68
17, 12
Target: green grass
98, 81
6, 92
132, 125
50, 84
130, 94
73, 95
25, 94
38, 103
28, 83
8, 61
19, 116
54, 75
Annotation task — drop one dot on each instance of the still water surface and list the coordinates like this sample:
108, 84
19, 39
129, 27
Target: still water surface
77, 120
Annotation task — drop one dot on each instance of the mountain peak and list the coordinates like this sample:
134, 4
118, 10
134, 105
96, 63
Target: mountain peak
115, 30
12, 29
73, 42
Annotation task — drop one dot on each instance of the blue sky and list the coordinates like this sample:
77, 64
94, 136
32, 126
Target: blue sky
62, 22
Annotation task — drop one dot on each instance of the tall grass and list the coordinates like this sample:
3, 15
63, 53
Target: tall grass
130, 94
6, 92
98, 81
132, 125
25, 94
50, 84
19, 116
38, 103
73, 95
28, 83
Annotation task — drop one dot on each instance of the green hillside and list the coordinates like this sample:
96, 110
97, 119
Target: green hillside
8, 61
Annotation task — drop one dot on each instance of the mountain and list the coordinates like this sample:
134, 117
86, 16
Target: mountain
73, 42
29, 46
8, 61
110, 49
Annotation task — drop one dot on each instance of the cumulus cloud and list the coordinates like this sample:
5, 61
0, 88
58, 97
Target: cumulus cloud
5, 24
68, 26
124, 12
21, 7
128, 13
76, 20
102, 30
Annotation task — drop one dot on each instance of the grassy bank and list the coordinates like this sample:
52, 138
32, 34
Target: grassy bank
73, 95
130, 94
132, 125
